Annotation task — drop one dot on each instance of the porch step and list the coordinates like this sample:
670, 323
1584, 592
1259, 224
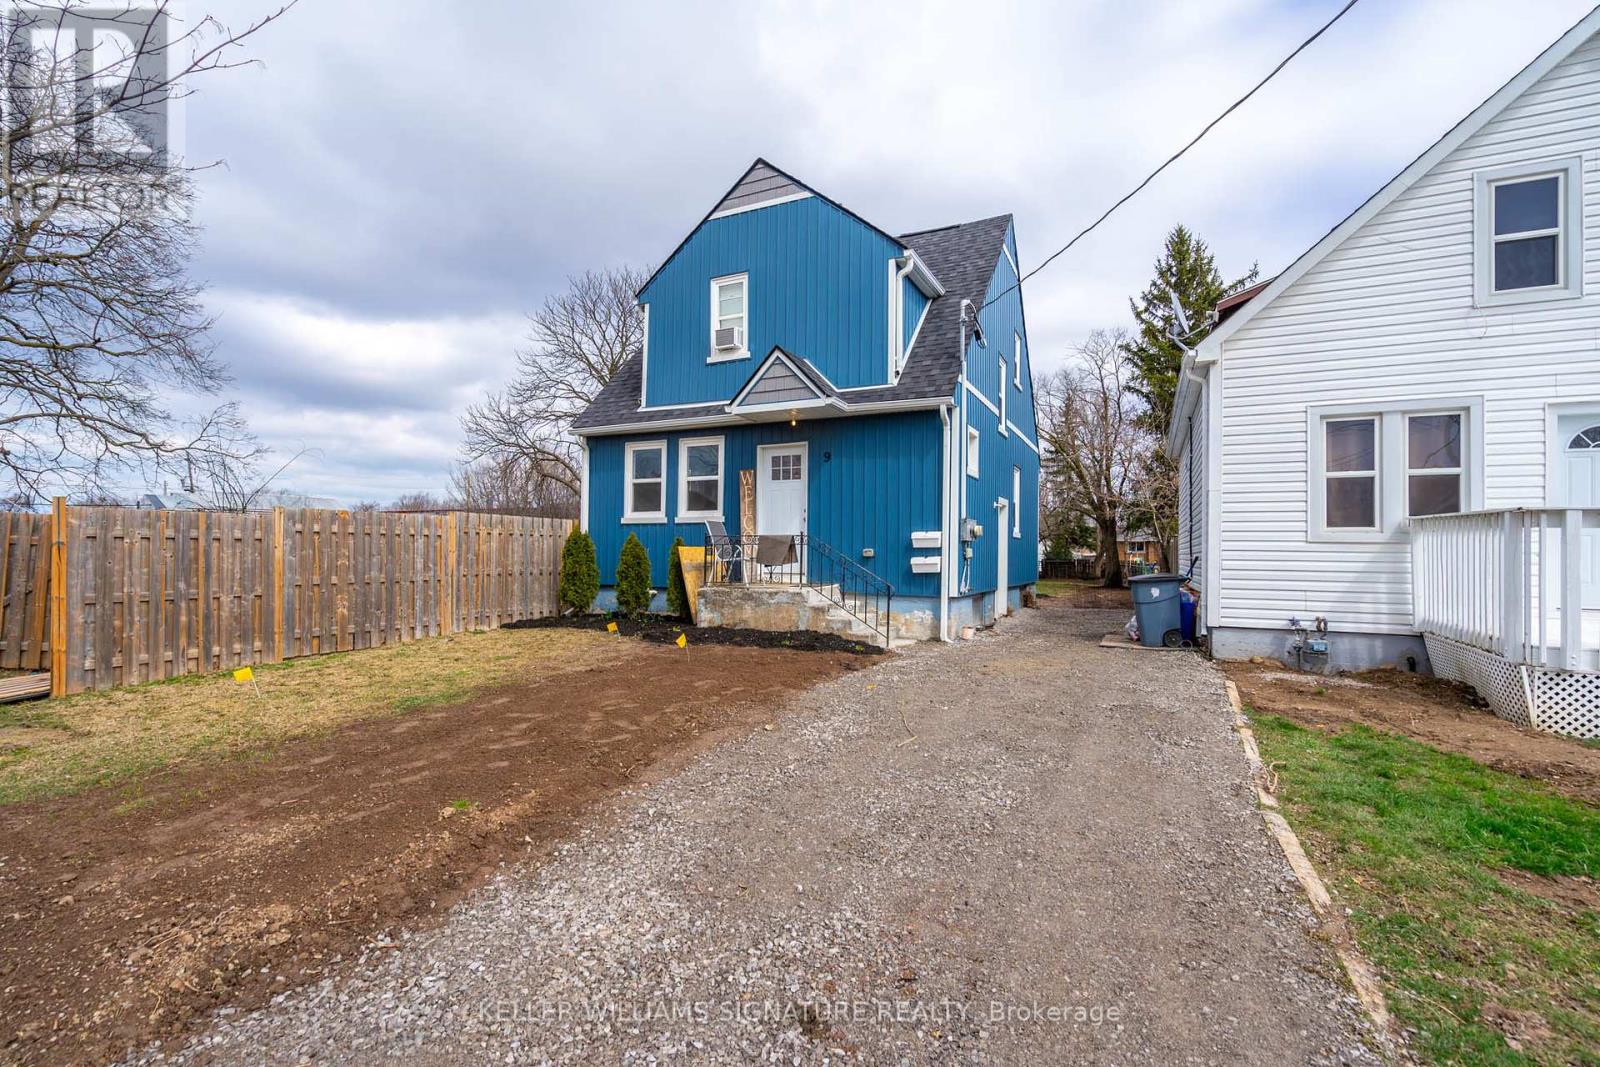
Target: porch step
781, 607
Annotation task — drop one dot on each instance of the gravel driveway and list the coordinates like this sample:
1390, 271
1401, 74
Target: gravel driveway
1022, 849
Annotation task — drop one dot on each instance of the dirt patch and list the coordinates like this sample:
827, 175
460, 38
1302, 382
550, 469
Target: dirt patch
1092, 595
228, 883
666, 629
1571, 891
1445, 715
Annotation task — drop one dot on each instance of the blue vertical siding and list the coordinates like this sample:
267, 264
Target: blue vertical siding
912, 304
818, 285
998, 453
872, 480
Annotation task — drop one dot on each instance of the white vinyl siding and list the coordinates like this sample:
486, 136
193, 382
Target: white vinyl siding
1192, 497
1388, 319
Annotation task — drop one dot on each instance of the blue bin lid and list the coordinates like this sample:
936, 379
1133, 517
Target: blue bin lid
1155, 578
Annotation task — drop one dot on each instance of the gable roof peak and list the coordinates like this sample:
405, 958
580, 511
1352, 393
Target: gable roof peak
1547, 60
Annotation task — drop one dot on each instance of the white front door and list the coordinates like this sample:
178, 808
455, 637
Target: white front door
1578, 441
781, 489
1002, 582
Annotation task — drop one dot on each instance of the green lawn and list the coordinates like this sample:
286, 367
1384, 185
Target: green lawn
1412, 839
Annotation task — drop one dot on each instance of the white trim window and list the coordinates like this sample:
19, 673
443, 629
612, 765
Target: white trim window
1016, 501
1350, 473
644, 481
974, 440
1373, 468
1529, 239
1435, 463
730, 308
1003, 391
699, 479
1016, 360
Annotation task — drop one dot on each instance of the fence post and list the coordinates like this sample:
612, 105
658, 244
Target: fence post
1512, 609
58, 597
275, 568
1571, 589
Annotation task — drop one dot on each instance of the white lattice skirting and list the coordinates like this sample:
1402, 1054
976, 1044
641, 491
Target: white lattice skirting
1561, 702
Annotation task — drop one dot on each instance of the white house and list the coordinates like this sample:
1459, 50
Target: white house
1400, 433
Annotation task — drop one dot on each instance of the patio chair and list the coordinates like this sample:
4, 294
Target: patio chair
724, 554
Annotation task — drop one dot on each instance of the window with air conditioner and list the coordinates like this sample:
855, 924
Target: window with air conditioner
730, 301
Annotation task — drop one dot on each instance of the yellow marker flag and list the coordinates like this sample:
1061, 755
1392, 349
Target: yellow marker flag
611, 627
244, 674
683, 640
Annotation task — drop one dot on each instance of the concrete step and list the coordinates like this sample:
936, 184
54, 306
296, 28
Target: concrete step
782, 607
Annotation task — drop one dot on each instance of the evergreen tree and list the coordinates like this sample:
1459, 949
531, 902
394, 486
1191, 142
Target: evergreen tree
1187, 271
633, 577
677, 592
1186, 274
580, 572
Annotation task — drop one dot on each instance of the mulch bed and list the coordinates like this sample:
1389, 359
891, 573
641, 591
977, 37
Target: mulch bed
664, 630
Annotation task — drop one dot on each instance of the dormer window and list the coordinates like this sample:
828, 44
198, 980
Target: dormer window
729, 314
1529, 242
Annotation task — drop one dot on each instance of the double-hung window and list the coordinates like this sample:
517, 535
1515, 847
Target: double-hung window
1434, 464
1350, 473
699, 479
1371, 470
730, 305
645, 482
1529, 241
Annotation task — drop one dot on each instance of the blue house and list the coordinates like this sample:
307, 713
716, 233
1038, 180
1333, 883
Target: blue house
878, 386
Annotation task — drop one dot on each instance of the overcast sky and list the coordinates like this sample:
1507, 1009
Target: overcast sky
404, 181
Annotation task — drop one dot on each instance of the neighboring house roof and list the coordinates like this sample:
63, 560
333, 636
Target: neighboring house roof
1210, 349
1228, 305
962, 257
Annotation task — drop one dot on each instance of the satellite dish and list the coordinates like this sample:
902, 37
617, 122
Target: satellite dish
1180, 320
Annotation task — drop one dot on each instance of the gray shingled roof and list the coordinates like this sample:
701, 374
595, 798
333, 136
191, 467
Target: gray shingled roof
962, 257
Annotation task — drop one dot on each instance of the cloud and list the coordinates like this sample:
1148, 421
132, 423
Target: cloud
404, 182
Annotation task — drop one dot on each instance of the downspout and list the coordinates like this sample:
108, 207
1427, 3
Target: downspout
945, 524
897, 325
961, 516
583, 486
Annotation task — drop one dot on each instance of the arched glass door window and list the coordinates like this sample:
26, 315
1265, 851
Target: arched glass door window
1585, 438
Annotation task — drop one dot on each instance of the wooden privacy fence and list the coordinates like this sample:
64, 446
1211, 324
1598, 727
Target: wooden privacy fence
137, 595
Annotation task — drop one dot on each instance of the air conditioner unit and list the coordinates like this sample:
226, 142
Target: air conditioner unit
729, 339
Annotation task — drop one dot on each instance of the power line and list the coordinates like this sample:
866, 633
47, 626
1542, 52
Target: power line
1179, 153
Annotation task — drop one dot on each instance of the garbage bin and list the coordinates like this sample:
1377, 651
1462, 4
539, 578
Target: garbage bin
1155, 603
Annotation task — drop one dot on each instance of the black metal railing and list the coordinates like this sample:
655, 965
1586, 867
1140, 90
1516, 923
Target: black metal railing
801, 560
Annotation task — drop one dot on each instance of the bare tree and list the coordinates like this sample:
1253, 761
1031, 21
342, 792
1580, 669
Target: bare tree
98, 321
233, 483
1093, 441
577, 342
512, 485
423, 501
